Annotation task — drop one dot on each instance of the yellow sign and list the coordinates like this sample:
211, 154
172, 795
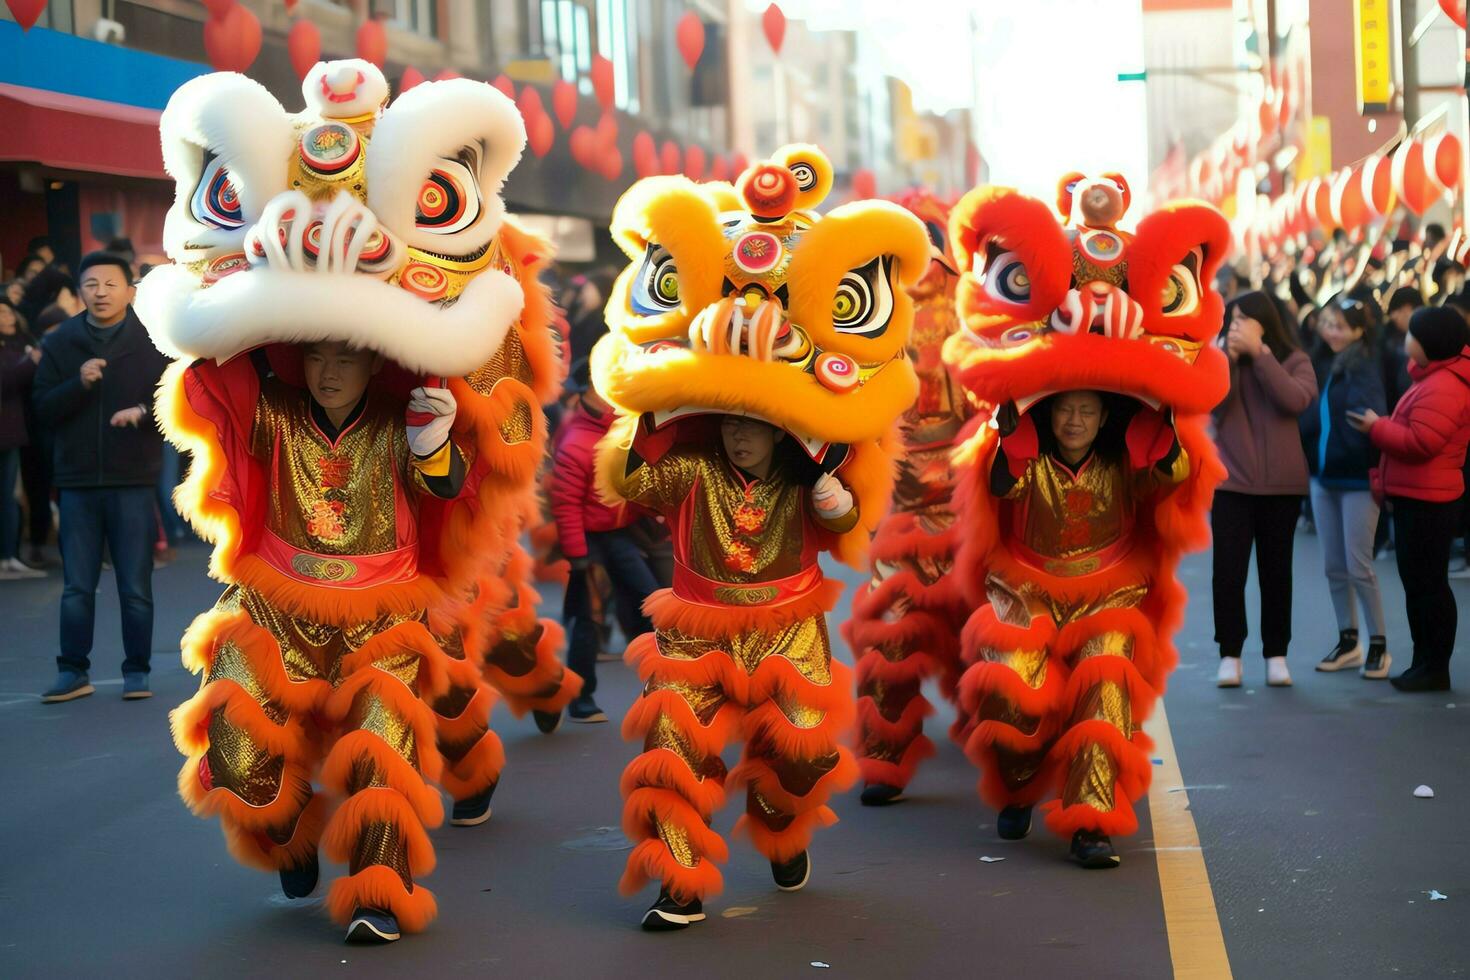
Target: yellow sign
1315, 159
1371, 32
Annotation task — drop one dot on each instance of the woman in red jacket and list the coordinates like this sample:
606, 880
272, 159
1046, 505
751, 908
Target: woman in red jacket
1421, 472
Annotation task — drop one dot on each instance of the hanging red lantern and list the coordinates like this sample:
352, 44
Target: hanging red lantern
410, 78
564, 102
739, 163
530, 104
1378, 184
669, 157
1349, 209
694, 162
719, 169
231, 42
1266, 113
773, 22
603, 82
27, 12
1411, 179
217, 8
1305, 215
372, 42
291, 7
1444, 151
447, 74
506, 86
645, 155
690, 37
304, 45
610, 163
1320, 196
1455, 11
583, 144
607, 130
540, 134
864, 184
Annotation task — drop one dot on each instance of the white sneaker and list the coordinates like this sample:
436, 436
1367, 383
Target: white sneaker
1276, 673
1229, 675
14, 568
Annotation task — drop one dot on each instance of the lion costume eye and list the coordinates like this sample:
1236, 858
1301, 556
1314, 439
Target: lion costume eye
449, 200
863, 302
215, 202
656, 290
1181, 291
1006, 279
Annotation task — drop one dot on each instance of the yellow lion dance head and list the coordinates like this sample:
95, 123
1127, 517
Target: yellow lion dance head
744, 300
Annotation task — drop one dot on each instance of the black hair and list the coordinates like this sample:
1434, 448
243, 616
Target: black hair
39, 242
106, 258
1109, 444
42, 291
30, 257
1433, 234
121, 244
1405, 296
20, 320
1360, 315
1259, 307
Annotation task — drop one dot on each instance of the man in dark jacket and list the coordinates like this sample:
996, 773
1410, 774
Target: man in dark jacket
94, 391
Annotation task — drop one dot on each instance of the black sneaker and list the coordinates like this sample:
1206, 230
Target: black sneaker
1347, 653
1417, 680
1093, 850
474, 810
372, 927
792, 876
1375, 668
69, 686
666, 915
135, 687
585, 710
881, 794
1013, 823
300, 882
547, 722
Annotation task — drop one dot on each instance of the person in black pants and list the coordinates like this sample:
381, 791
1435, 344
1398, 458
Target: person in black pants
94, 390
1271, 383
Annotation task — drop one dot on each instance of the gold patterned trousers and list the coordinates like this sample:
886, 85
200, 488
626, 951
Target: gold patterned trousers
286, 703
1052, 697
778, 689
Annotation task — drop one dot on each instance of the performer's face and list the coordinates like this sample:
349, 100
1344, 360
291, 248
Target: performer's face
749, 443
336, 374
1075, 418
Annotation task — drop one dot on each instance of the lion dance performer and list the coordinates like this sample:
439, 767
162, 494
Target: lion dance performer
364, 516
1094, 346
757, 358
906, 622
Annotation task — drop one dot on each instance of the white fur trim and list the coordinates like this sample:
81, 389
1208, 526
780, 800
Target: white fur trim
264, 306
367, 95
244, 125
435, 120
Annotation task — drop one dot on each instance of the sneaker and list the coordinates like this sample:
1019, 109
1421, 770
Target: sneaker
666, 915
1375, 668
301, 881
881, 794
1420, 679
372, 927
69, 686
547, 722
792, 876
474, 810
1094, 850
14, 568
585, 710
1230, 671
1276, 673
1347, 653
1014, 823
135, 687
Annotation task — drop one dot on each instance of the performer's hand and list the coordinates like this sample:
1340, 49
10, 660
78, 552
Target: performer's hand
439, 405
91, 372
127, 417
829, 497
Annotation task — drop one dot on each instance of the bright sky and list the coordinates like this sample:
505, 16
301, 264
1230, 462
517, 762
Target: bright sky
1047, 98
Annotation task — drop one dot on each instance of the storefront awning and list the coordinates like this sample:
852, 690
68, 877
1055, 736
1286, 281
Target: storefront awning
74, 133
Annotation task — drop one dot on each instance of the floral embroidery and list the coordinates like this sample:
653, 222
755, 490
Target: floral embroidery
334, 471
749, 518
1075, 534
325, 521
739, 557
1079, 503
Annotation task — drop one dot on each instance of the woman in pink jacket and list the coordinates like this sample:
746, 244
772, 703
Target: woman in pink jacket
1421, 474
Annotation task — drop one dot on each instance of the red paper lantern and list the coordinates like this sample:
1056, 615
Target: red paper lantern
291, 7
372, 42
1444, 151
694, 162
506, 86
27, 12
690, 37
773, 22
603, 82
447, 74
1378, 184
1349, 209
669, 157
739, 163
607, 130
304, 45
1320, 196
583, 144
217, 8
540, 134
645, 156
610, 163
231, 42
719, 169
564, 102
1411, 179
410, 78
1455, 10
1268, 118
530, 104
1303, 208
864, 184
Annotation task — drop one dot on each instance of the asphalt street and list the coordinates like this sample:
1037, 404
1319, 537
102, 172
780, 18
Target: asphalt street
1321, 862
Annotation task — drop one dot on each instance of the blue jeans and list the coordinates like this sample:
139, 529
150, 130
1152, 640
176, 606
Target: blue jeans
9, 509
174, 527
632, 581
123, 517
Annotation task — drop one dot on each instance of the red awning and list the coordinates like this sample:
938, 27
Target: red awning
70, 132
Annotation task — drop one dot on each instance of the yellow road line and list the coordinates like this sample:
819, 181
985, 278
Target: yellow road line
1196, 944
